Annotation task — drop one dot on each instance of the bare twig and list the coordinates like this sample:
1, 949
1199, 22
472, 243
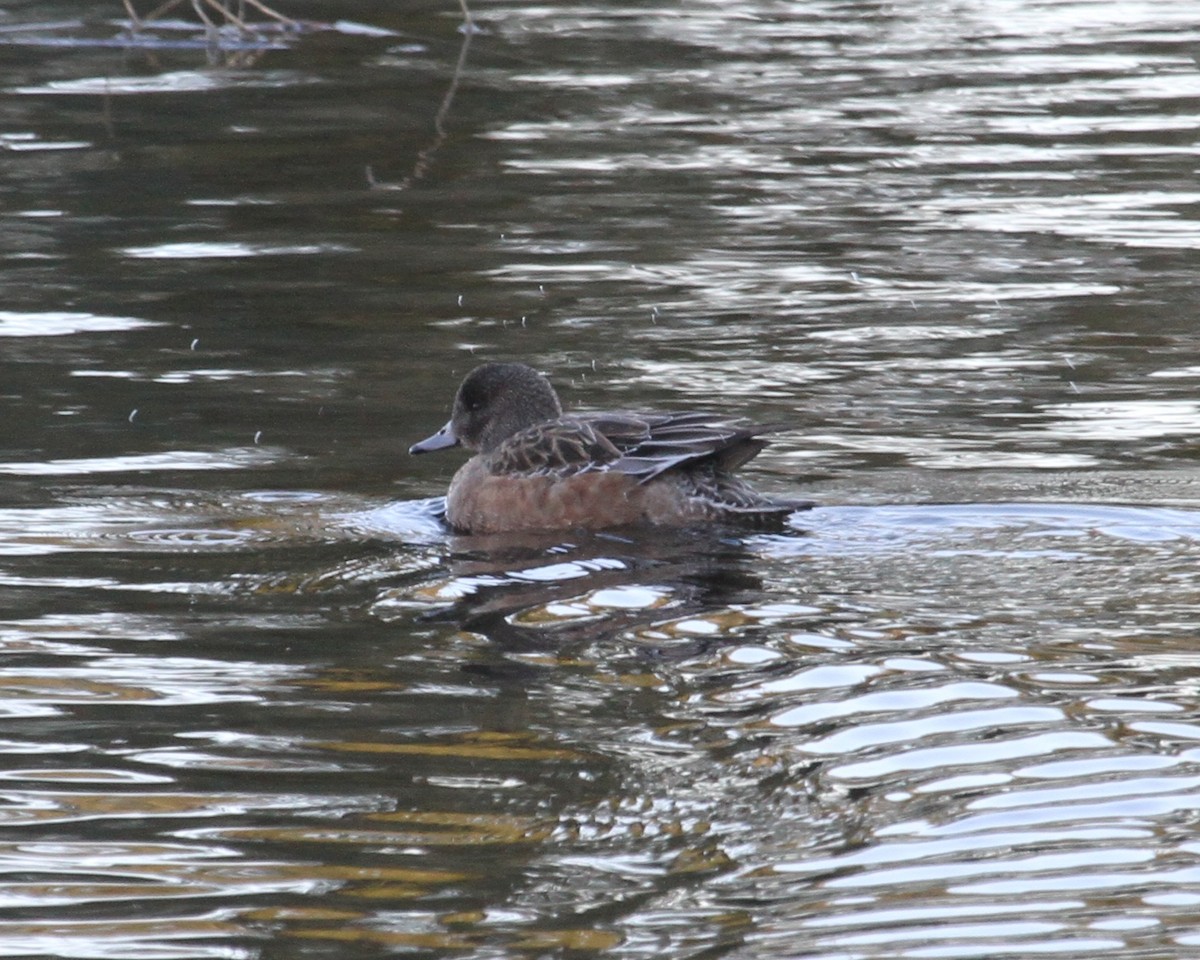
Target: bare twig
425, 156
274, 14
198, 7
222, 7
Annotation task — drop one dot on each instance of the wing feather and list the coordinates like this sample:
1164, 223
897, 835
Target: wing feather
562, 447
650, 445
644, 446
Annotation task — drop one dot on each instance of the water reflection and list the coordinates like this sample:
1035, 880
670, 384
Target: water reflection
544, 690
260, 702
58, 324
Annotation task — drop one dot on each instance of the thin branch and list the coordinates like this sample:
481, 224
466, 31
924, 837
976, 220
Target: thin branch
275, 15
426, 155
221, 6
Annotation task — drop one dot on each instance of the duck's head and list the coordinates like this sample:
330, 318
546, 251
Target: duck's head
495, 401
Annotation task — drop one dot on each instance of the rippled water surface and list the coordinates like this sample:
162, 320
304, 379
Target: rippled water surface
259, 703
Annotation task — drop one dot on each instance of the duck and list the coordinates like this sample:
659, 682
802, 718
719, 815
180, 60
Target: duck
535, 468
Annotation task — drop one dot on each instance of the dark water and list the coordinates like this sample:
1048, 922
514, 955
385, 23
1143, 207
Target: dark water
258, 703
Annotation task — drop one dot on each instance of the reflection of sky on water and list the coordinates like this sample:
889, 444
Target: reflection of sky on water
59, 324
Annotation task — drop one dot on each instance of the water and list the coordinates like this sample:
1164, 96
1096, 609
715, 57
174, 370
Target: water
260, 704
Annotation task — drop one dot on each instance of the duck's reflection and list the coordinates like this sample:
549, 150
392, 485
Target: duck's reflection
664, 589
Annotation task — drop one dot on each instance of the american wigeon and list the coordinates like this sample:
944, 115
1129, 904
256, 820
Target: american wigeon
536, 469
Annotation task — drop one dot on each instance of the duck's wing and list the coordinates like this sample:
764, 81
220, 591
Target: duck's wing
640, 445
650, 444
560, 447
